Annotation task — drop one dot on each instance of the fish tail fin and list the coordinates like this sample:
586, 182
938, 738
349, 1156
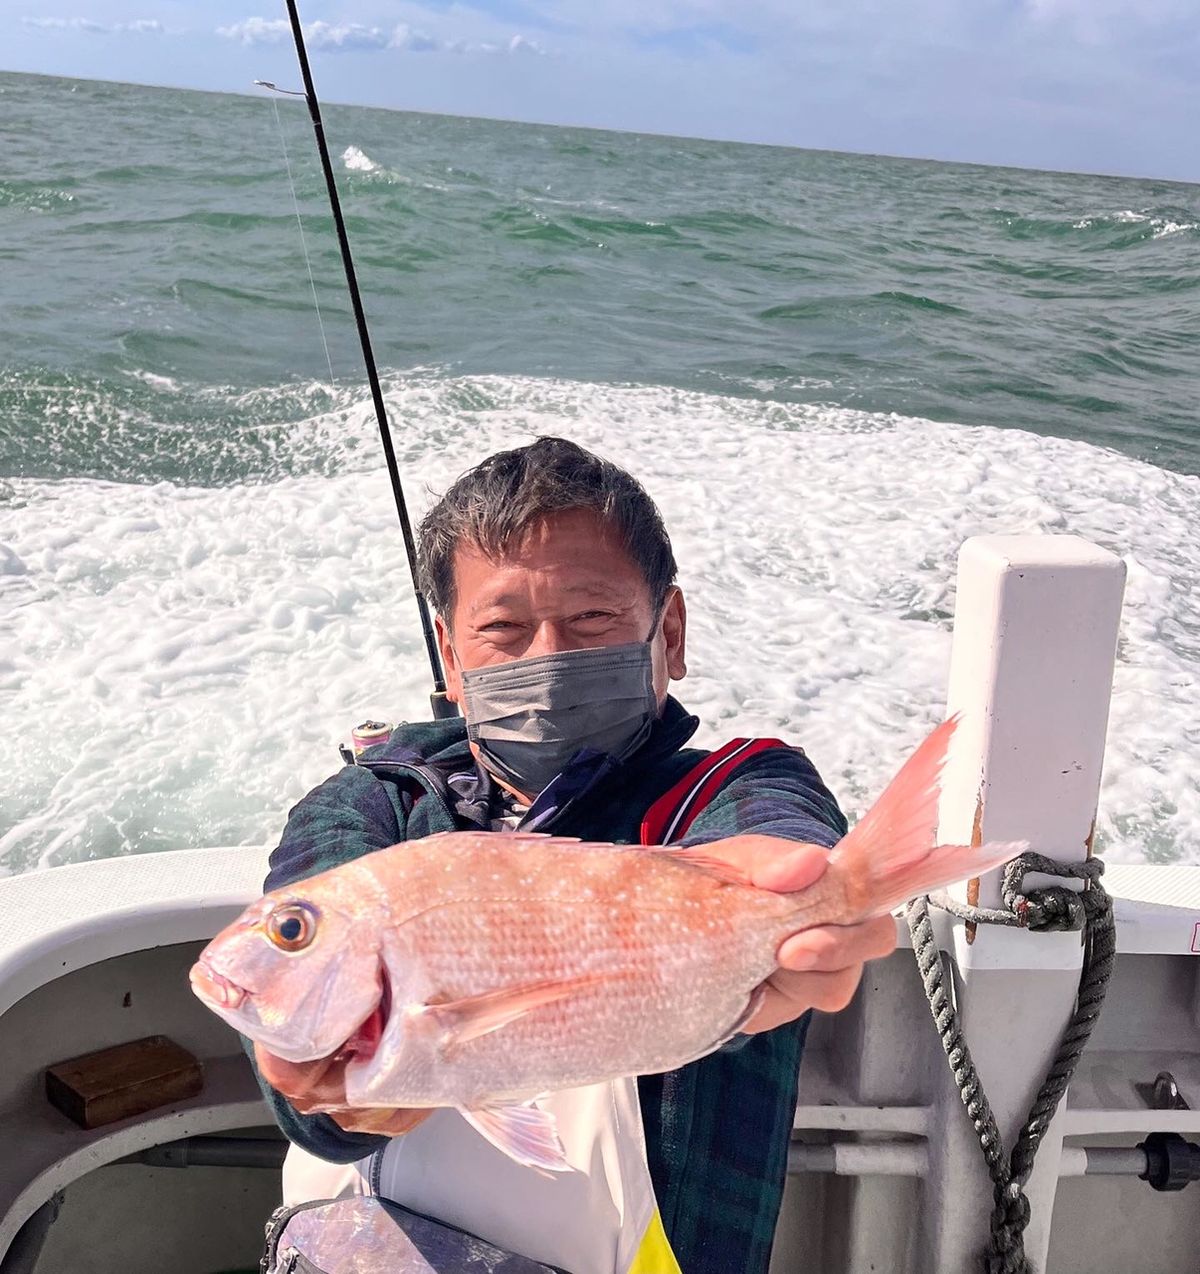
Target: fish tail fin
890, 855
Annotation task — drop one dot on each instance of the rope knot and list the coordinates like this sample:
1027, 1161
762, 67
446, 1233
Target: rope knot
1052, 907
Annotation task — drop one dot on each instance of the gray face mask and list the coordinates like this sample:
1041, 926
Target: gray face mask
530, 716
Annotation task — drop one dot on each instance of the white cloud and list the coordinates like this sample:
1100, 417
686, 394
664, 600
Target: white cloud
1112, 11
519, 44
257, 31
345, 36
350, 36
139, 26
66, 24
410, 41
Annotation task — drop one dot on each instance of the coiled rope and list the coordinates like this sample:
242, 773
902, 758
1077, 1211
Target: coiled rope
1055, 907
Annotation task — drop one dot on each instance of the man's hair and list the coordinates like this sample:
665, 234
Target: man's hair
492, 504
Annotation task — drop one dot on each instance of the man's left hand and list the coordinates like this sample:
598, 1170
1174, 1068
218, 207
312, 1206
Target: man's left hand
320, 1088
819, 968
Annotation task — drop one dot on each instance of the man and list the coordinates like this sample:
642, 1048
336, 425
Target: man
560, 627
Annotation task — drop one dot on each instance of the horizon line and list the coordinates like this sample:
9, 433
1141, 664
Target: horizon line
629, 132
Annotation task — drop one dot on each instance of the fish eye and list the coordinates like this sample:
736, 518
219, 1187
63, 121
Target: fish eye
292, 927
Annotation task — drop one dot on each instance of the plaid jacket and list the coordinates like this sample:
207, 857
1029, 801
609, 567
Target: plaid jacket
717, 1130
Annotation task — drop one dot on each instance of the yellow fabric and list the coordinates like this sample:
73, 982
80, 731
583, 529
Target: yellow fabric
654, 1255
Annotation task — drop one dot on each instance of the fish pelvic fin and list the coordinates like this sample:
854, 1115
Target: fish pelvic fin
526, 1134
891, 855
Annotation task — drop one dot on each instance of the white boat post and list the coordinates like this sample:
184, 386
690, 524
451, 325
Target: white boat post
1035, 639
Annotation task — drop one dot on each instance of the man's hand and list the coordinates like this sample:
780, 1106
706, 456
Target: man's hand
819, 968
320, 1086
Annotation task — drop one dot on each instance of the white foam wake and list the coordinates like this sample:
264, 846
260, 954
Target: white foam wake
1162, 227
177, 665
357, 161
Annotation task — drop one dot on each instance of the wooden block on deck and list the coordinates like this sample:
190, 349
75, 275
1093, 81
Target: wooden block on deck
117, 1083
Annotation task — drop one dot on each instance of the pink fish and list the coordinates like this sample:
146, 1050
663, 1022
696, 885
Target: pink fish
481, 969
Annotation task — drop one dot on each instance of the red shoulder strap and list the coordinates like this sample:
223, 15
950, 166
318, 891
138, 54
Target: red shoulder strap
669, 818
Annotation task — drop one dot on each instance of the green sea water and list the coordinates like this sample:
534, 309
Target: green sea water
148, 233
829, 370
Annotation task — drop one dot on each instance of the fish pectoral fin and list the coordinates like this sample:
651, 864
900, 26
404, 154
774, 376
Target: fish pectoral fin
697, 857
467, 1019
526, 1134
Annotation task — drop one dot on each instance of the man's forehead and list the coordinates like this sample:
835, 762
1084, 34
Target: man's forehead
502, 592
573, 537
575, 554
558, 531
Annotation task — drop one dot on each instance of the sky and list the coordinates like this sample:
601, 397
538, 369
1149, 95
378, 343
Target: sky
1109, 86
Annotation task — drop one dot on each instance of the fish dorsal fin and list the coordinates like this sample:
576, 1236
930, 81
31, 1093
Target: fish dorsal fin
470, 1017
510, 838
523, 1132
697, 856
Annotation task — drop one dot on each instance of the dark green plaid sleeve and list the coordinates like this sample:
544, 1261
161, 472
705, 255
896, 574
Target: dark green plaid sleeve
349, 815
776, 793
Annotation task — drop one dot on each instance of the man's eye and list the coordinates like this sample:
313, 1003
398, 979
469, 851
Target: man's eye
593, 615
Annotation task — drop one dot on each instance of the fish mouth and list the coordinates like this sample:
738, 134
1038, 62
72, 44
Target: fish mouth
215, 988
363, 1043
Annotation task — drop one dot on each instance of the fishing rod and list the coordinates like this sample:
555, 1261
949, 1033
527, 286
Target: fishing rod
441, 705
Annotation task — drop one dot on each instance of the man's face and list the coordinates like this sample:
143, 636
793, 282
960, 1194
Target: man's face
567, 584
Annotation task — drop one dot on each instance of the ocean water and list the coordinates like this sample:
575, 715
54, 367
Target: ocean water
828, 369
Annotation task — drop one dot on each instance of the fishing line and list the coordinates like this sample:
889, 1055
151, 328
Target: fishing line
312, 283
441, 705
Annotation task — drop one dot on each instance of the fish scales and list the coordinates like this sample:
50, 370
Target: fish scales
525, 910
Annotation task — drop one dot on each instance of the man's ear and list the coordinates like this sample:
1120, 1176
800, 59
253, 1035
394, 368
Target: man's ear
674, 626
449, 662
